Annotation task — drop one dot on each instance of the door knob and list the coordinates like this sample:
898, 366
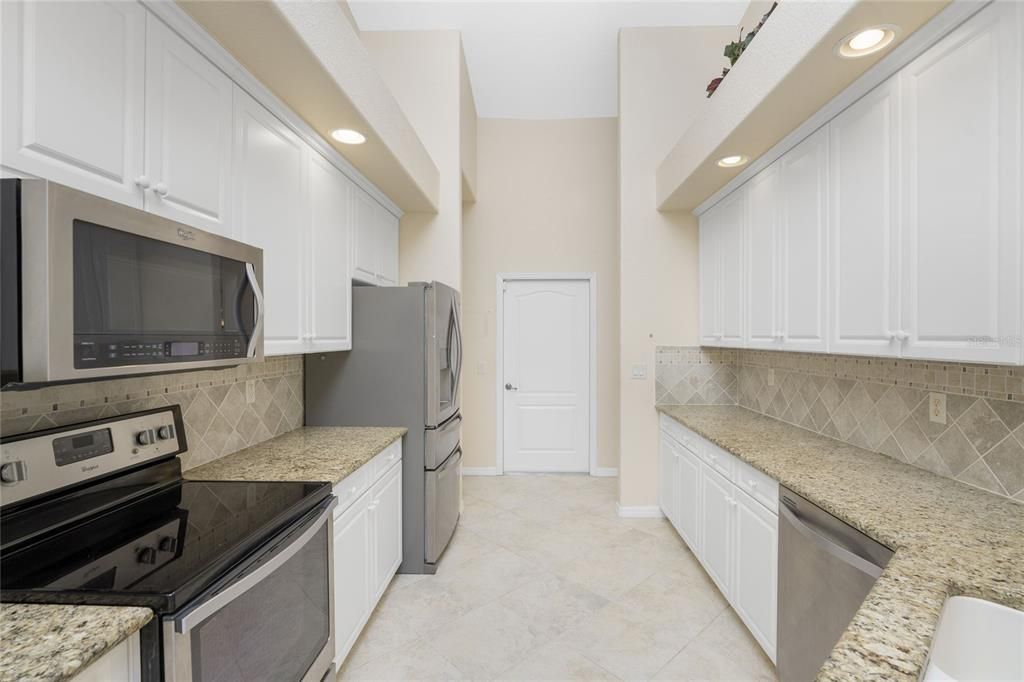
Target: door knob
510, 387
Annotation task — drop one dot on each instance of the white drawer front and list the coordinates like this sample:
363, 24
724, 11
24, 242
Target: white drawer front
351, 487
759, 485
721, 461
387, 459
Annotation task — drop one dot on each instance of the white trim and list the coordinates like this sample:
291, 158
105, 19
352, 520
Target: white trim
606, 472
915, 44
185, 26
502, 278
652, 511
480, 471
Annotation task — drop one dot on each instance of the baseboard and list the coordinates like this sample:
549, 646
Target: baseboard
480, 471
610, 472
643, 512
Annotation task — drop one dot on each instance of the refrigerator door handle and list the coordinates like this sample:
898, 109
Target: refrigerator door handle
457, 340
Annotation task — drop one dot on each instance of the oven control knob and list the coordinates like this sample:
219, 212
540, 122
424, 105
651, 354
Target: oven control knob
12, 472
144, 437
168, 544
146, 555
165, 432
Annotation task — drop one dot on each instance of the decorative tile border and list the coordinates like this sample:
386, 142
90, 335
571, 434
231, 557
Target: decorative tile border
878, 404
218, 418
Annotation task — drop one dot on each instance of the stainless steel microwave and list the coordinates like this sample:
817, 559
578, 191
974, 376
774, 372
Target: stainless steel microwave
110, 290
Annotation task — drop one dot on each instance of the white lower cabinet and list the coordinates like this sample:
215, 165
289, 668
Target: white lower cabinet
367, 543
123, 663
727, 513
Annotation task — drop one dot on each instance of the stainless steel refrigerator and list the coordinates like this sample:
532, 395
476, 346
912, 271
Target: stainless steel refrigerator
403, 370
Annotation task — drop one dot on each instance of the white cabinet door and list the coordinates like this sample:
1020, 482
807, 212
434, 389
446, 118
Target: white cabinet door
732, 224
387, 226
330, 276
365, 248
762, 272
802, 243
352, 576
188, 133
688, 502
667, 478
755, 572
961, 192
270, 178
73, 94
710, 278
386, 516
717, 528
864, 225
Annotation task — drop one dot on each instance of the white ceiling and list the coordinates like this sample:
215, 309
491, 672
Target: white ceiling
542, 60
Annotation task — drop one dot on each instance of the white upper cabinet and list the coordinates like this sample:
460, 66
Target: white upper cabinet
803, 174
710, 278
733, 216
762, 273
387, 226
961, 192
270, 174
864, 225
330, 276
188, 133
374, 243
73, 94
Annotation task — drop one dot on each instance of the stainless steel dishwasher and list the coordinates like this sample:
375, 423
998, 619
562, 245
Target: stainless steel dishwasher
826, 569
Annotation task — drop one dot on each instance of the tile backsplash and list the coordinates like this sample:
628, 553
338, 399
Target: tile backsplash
219, 420
878, 404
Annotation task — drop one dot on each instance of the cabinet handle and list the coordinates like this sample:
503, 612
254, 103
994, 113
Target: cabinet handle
752, 484
732, 502
142, 181
160, 188
902, 335
352, 490
891, 335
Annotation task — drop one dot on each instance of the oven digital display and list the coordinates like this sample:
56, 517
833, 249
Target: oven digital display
179, 348
71, 449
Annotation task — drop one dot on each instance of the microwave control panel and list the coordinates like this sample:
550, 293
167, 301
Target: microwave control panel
100, 352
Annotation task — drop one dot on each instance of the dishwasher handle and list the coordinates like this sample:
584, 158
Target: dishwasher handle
822, 541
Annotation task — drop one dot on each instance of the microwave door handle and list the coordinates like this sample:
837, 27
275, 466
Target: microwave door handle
257, 328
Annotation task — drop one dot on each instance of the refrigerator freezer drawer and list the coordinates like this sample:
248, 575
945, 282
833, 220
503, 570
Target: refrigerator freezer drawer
442, 505
441, 442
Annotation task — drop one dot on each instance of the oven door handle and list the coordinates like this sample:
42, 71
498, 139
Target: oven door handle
291, 546
257, 328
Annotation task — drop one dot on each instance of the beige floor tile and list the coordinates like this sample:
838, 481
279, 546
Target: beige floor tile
672, 602
416, 661
724, 651
489, 576
464, 546
612, 570
486, 641
552, 604
553, 662
382, 635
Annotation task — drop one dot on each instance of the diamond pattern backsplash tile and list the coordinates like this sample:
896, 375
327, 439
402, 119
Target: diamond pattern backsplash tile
218, 418
877, 404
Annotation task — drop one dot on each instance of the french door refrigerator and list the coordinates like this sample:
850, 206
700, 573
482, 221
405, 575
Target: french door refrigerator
403, 370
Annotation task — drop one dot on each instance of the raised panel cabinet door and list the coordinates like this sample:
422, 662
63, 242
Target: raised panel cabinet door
803, 192
73, 94
352, 579
710, 278
330, 276
188, 133
961, 192
666, 477
270, 194
365, 244
386, 512
762, 272
388, 236
755, 571
688, 503
123, 663
717, 528
864, 225
733, 221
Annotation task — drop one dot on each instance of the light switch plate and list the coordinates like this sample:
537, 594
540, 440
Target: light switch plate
639, 372
250, 391
937, 407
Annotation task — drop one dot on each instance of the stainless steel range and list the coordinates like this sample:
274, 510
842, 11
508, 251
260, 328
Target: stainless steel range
238, 573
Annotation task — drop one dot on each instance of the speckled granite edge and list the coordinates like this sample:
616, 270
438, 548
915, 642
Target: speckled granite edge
310, 453
56, 642
949, 538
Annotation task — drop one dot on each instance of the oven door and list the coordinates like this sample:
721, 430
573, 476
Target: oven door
121, 291
271, 619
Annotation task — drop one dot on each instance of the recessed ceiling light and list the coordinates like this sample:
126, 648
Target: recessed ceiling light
346, 136
867, 41
732, 161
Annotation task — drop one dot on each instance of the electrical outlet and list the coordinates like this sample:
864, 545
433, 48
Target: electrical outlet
250, 391
771, 376
937, 407
639, 372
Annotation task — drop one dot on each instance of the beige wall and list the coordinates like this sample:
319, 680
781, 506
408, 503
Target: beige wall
467, 130
546, 201
662, 76
422, 69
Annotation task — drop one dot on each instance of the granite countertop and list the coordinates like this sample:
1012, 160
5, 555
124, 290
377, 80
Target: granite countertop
949, 538
310, 453
56, 642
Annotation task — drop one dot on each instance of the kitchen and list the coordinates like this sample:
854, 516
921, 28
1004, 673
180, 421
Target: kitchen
354, 339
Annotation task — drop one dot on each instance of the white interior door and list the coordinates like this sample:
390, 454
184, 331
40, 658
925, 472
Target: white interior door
546, 382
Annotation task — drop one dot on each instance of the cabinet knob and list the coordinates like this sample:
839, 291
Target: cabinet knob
142, 181
891, 335
752, 484
902, 335
161, 188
